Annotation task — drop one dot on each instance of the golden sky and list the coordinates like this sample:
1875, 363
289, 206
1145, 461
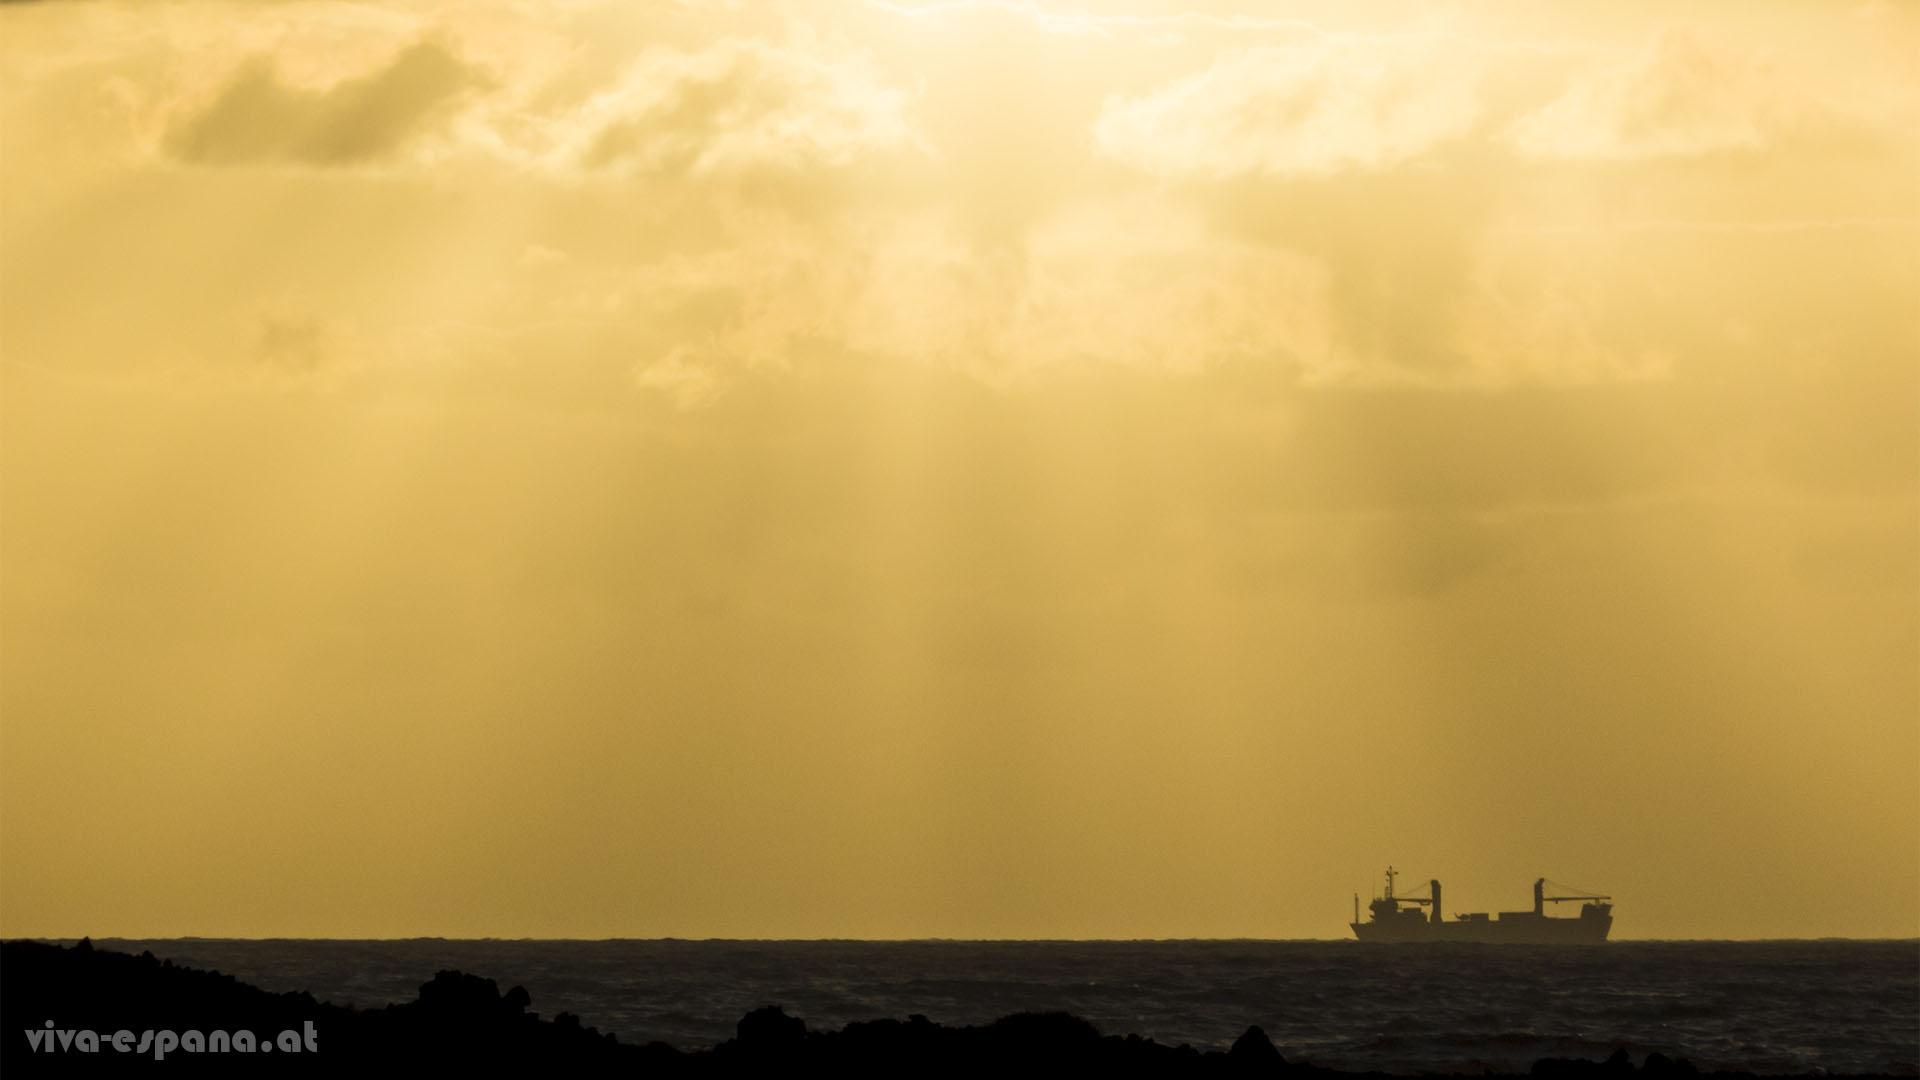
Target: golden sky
582, 468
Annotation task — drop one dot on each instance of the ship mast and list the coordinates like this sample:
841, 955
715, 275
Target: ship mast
1390, 876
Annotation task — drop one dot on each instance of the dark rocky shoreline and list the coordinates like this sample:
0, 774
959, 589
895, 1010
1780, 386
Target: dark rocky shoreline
463, 1023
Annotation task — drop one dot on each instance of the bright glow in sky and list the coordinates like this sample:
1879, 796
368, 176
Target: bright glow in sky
582, 468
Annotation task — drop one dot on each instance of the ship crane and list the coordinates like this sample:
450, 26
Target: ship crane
1577, 893
1539, 888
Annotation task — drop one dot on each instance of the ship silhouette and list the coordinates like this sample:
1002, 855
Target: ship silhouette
1394, 918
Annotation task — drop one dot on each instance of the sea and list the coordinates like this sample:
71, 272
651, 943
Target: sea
1775, 1007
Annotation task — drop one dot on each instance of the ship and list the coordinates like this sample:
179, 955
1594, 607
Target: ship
1394, 918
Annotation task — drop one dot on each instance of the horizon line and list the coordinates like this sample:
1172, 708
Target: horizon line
1915, 939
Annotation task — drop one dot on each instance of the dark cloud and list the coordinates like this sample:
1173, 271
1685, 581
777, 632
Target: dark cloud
1399, 244
292, 344
259, 118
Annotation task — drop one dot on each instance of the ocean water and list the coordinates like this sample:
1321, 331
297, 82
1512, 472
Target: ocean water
1764, 1007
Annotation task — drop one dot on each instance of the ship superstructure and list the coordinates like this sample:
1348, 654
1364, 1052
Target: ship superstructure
1393, 918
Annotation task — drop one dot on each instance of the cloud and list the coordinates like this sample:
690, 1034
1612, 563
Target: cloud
743, 105
257, 117
292, 344
1398, 247
1119, 284
1677, 98
1356, 153
1312, 108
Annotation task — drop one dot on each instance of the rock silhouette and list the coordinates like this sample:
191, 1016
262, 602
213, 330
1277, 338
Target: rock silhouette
464, 1024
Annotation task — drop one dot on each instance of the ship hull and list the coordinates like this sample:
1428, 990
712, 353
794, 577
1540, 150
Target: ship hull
1525, 930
